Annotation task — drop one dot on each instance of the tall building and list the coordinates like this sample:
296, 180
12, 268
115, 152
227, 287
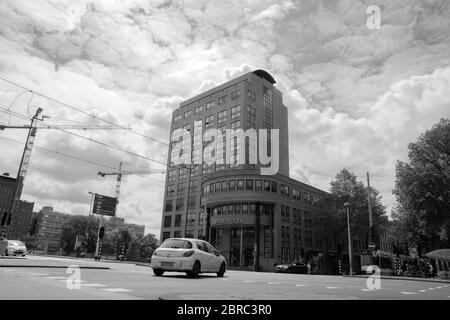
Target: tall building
7, 186
254, 220
49, 228
22, 221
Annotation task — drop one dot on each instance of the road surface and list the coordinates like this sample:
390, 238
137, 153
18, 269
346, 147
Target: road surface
130, 281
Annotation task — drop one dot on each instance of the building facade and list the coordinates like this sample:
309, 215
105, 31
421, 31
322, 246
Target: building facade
255, 220
49, 228
22, 221
7, 188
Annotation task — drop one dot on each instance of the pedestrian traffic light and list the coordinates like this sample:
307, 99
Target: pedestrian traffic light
101, 232
3, 222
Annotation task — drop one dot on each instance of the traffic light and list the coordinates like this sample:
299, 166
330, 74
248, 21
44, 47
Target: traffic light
101, 233
3, 222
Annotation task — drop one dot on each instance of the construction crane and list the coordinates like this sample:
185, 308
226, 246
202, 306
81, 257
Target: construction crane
119, 175
24, 162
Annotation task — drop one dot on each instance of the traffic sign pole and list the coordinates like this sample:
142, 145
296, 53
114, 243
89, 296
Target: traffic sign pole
97, 246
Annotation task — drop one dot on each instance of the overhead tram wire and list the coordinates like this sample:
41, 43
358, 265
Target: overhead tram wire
82, 111
103, 144
72, 156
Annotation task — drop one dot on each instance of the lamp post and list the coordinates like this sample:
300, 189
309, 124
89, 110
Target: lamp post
350, 255
86, 234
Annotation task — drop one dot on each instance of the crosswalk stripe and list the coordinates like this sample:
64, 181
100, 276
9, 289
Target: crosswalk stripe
115, 290
333, 287
93, 285
56, 278
408, 292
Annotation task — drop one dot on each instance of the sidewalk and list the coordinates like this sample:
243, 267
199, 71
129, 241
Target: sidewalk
405, 278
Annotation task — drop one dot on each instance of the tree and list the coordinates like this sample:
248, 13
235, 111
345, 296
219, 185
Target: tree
422, 189
77, 225
346, 188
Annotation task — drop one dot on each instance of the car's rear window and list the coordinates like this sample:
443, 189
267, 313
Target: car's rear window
17, 243
176, 244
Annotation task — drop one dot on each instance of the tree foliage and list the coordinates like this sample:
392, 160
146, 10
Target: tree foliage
422, 189
77, 225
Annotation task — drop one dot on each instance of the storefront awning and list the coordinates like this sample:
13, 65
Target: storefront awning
441, 254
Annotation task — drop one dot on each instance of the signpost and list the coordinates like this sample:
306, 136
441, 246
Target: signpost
104, 206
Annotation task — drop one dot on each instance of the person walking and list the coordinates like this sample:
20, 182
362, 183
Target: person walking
309, 267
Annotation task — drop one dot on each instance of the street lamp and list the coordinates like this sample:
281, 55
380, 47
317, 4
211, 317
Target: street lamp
350, 255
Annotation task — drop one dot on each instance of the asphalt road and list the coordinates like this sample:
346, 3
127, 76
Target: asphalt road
129, 281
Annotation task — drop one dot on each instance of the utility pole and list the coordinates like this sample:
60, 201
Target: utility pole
371, 229
350, 254
24, 162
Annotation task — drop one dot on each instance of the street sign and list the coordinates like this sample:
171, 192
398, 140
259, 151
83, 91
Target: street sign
104, 205
372, 246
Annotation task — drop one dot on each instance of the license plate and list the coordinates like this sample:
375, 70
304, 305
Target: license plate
167, 264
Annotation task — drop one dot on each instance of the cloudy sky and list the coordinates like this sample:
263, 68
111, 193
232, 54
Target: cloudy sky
356, 95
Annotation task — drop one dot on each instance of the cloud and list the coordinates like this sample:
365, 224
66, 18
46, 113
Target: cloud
354, 95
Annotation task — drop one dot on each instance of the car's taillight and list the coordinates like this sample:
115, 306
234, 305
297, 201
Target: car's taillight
188, 253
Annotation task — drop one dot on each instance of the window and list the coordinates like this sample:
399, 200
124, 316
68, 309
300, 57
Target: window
230, 209
167, 221
177, 118
237, 208
209, 121
244, 208
232, 185
169, 206
210, 105
187, 114
235, 94
222, 116
284, 190
201, 218
180, 204
225, 209
177, 234
288, 214
235, 112
251, 95
251, 113
224, 185
189, 233
192, 201
183, 173
222, 100
283, 213
267, 185
296, 194
274, 187
166, 235
181, 188
170, 189
191, 219
251, 125
249, 184
217, 188
172, 174
240, 184
258, 184
187, 127
235, 125
178, 220
198, 109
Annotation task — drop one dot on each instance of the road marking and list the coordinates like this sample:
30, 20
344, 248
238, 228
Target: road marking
273, 283
115, 290
368, 289
422, 290
408, 292
438, 287
302, 285
333, 287
39, 274
430, 288
56, 278
248, 281
93, 285
74, 281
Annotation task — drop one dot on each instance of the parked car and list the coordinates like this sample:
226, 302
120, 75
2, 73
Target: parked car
193, 256
296, 267
15, 247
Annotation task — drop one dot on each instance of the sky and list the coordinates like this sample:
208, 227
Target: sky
356, 95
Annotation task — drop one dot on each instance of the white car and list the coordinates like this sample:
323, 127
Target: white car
192, 256
15, 247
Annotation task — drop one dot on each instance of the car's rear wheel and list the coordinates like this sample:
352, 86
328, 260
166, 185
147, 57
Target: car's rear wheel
221, 270
158, 272
6, 252
196, 269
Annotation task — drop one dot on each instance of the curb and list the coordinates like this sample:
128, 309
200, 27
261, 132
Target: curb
403, 278
47, 266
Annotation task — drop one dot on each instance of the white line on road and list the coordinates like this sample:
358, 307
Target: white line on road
115, 290
430, 288
404, 292
368, 289
273, 283
39, 274
56, 278
248, 281
422, 290
333, 287
93, 285
438, 287
302, 285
